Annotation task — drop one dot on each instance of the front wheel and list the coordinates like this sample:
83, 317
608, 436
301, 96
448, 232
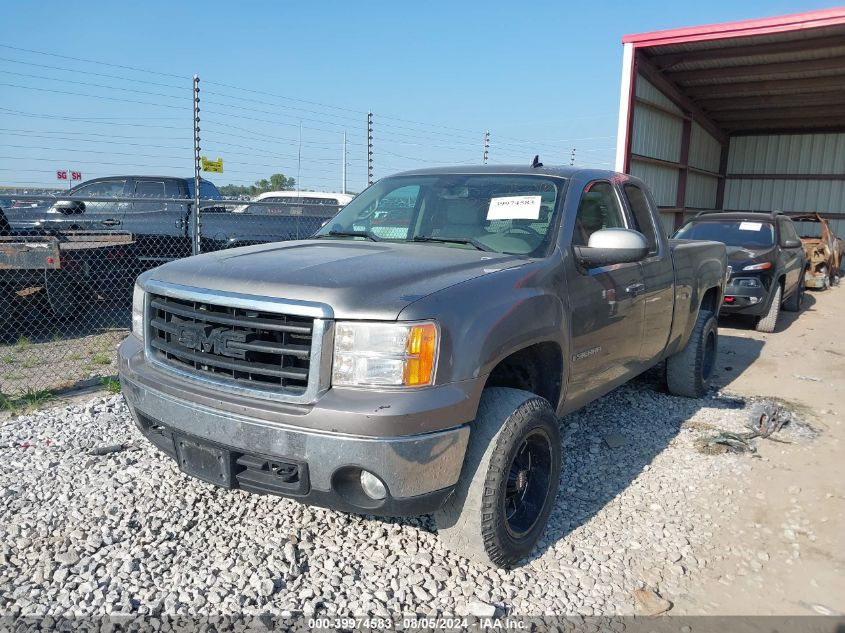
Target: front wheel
509, 480
768, 322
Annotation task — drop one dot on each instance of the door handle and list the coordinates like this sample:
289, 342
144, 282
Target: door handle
110, 222
635, 289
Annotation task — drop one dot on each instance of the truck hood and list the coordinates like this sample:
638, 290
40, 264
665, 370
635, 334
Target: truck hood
360, 280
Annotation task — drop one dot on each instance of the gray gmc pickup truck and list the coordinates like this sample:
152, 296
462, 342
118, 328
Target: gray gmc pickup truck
415, 354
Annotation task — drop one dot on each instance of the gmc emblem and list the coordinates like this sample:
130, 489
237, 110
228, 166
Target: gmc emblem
207, 338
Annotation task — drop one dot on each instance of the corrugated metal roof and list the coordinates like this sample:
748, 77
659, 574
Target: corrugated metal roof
721, 67
744, 28
729, 41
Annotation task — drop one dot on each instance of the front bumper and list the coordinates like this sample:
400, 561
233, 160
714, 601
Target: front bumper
254, 440
745, 300
816, 281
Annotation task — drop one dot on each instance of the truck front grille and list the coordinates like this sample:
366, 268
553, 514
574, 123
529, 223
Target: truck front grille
250, 347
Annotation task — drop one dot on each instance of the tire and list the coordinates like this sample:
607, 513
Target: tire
769, 321
501, 506
65, 296
688, 372
795, 302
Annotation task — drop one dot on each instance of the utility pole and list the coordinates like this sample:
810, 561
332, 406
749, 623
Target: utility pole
369, 148
572, 158
343, 174
195, 216
486, 146
299, 159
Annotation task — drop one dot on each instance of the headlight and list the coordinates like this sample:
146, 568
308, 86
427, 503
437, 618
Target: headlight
385, 354
138, 311
763, 266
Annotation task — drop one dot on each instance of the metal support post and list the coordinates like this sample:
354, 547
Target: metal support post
195, 215
369, 148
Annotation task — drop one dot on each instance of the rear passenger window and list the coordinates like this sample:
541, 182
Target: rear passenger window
598, 209
642, 214
148, 189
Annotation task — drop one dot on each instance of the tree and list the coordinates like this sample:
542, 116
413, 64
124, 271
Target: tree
279, 182
276, 182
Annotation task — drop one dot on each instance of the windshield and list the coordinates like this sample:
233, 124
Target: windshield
500, 213
730, 232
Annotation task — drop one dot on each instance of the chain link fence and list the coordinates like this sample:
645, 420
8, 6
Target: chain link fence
68, 266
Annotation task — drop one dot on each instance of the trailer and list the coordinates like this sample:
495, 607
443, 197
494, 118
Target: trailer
744, 116
64, 270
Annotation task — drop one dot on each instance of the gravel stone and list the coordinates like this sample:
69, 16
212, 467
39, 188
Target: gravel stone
127, 532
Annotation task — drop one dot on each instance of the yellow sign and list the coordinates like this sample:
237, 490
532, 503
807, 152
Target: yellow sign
212, 165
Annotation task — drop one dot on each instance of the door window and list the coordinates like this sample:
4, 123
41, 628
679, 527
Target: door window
643, 216
101, 189
599, 209
788, 230
149, 189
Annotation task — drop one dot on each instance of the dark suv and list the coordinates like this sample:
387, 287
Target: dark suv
766, 260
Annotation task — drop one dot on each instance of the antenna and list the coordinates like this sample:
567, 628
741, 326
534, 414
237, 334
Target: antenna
536, 162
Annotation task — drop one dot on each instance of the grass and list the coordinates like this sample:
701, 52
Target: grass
101, 358
30, 400
111, 384
23, 343
29, 363
8, 359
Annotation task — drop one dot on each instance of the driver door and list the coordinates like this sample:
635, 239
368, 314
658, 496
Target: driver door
606, 302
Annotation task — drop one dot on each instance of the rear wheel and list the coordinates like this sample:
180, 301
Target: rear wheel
689, 371
796, 300
768, 322
509, 480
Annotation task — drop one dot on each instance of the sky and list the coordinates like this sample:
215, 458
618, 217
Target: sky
104, 88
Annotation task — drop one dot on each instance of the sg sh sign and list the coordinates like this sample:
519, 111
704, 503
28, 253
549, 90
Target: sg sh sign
67, 175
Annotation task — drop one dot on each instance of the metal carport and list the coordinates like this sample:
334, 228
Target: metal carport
739, 116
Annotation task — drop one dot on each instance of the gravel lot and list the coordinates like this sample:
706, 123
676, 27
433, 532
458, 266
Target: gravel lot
126, 532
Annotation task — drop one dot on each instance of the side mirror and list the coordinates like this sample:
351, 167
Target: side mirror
612, 246
791, 244
69, 207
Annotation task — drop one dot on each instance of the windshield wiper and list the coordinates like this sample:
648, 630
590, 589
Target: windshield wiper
453, 240
333, 233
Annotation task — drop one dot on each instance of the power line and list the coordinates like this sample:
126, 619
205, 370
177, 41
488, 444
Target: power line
93, 61
82, 94
97, 120
39, 133
91, 73
86, 83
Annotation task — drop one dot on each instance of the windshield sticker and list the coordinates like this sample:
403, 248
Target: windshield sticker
515, 208
750, 226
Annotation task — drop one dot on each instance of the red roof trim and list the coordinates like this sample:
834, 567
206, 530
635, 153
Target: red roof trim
779, 24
